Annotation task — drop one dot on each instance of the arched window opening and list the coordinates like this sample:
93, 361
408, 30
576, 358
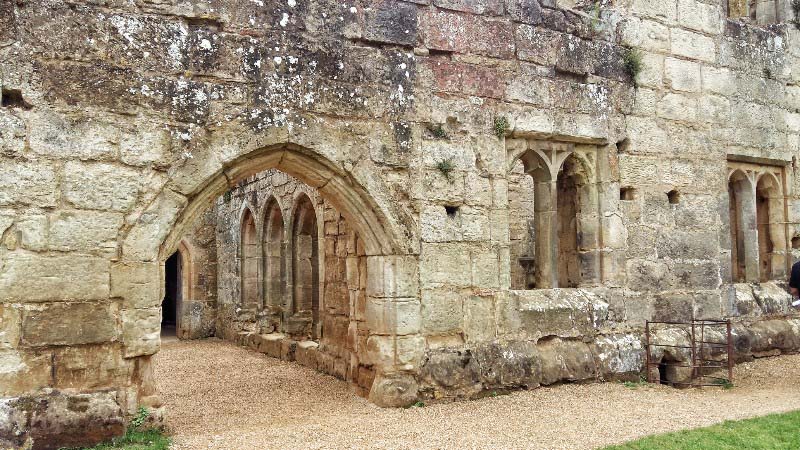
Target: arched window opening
305, 264
569, 210
249, 262
564, 224
274, 266
769, 213
738, 187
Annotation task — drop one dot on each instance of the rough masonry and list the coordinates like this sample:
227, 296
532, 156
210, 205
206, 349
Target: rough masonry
428, 198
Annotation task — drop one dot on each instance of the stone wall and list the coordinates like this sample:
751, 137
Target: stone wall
123, 122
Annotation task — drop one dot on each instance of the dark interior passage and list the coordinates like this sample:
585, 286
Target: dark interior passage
172, 294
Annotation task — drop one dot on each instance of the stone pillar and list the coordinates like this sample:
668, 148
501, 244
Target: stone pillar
393, 315
546, 230
750, 233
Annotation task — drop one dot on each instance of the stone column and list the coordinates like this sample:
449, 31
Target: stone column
546, 229
750, 233
393, 315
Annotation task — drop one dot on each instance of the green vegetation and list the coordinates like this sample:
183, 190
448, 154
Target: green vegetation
439, 132
500, 127
632, 59
776, 431
446, 167
137, 439
418, 405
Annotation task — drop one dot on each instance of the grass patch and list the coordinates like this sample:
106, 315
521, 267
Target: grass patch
137, 440
776, 431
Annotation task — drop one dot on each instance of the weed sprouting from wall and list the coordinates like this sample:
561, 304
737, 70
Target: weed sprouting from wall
438, 131
446, 167
632, 60
501, 126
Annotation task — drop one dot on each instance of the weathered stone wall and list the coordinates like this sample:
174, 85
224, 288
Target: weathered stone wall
123, 122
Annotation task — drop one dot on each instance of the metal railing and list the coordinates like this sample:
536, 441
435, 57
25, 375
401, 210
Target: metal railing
703, 352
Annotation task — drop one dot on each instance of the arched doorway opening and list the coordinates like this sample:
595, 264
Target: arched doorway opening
173, 296
384, 251
771, 227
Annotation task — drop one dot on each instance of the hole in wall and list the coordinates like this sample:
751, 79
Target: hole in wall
674, 197
627, 193
451, 211
12, 98
623, 145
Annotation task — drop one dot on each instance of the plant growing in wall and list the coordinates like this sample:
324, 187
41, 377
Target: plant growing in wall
500, 126
438, 131
446, 167
632, 61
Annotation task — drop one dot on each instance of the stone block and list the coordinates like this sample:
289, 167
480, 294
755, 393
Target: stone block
619, 356
391, 22
449, 31
28, 183
306, 354
137, 283
682, 75
270, 344
479, 319
90, 367
442, 311
537, 45
53, 419
693, 45
700, 16
22, 372
10, 326
565, 361
646, 34
85, 231
719, 80
70, 324
666, 11
288, 348
101, 186
393, 315
393, 390
443, 264
392, 276
401, 352
677, 107
141, 331
525, 11
152, 227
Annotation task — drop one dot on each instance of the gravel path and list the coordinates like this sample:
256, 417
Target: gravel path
222, 396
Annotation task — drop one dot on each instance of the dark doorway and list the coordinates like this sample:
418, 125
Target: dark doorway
172, 295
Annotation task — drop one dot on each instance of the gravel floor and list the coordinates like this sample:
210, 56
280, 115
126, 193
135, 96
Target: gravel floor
225, 397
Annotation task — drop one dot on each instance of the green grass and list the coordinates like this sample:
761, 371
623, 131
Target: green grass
776, 431
137, 440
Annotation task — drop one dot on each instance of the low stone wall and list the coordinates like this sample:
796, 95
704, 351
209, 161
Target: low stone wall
573, 335
310, 354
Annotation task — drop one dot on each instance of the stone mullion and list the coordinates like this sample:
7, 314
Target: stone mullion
546, 231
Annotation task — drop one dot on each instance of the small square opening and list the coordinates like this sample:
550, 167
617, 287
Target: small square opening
674, 197
627, 193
